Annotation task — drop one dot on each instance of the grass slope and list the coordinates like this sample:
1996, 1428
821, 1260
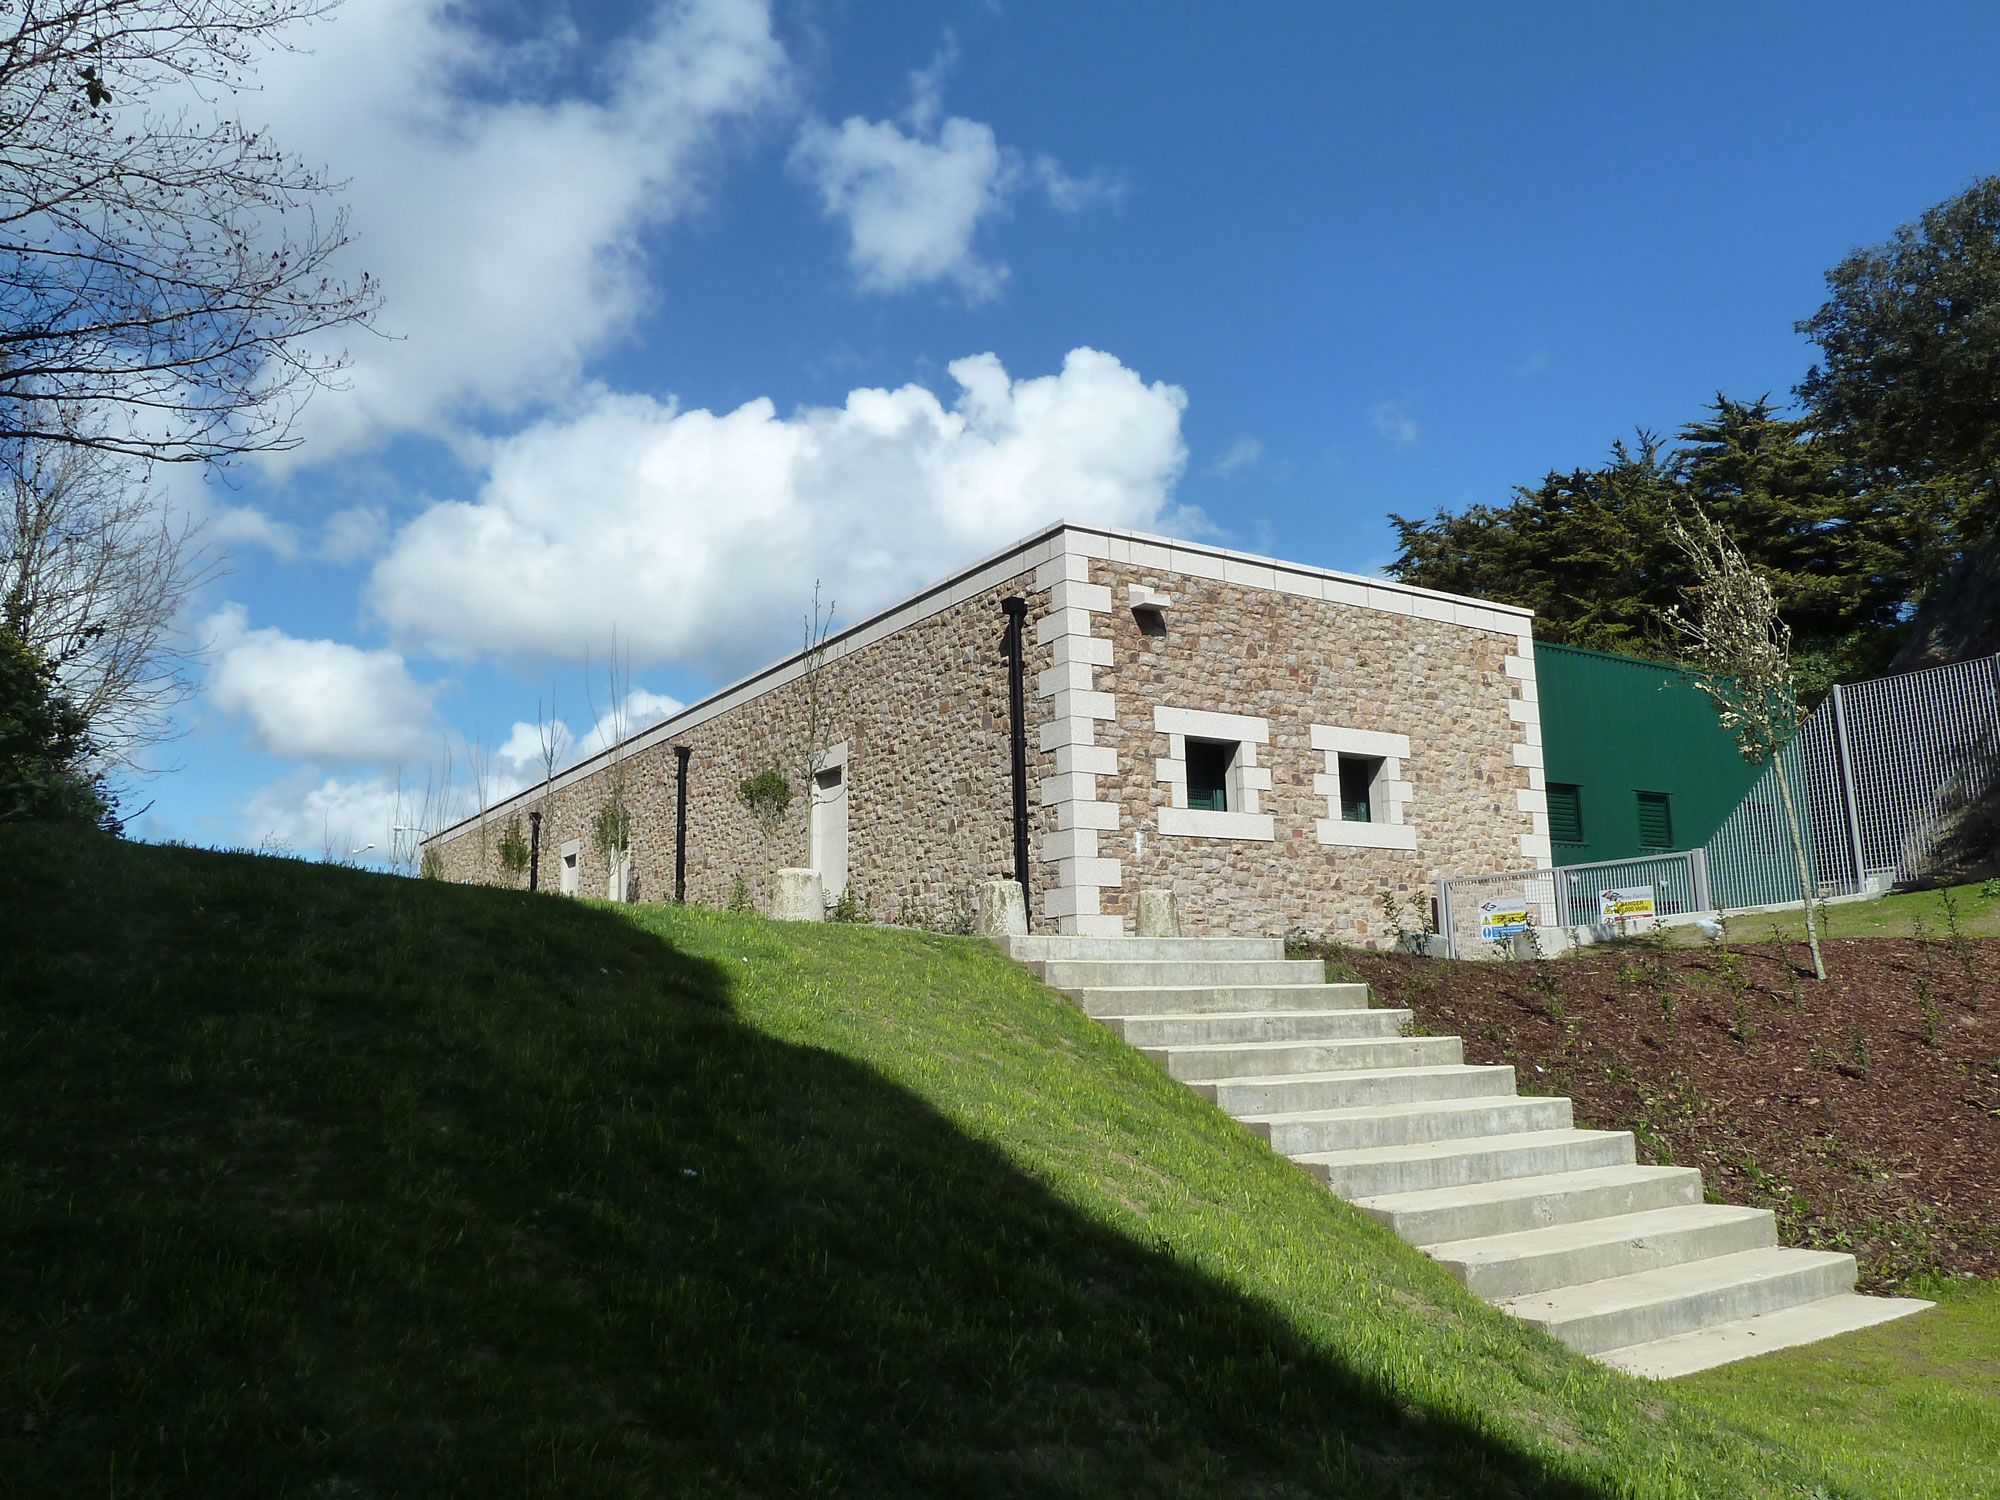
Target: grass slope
318, 1183
1974, 908
1907, 1411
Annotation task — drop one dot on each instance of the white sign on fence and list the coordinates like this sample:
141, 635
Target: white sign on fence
1632, 904
1499, 919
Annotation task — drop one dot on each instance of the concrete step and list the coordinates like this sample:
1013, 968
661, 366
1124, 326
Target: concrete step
1354, 1088
1743, 1338
1266, 1026
1125, 949
1080, 974
1559, 1255
1270, 1059
1183, 1000
1377, 1170
1315, 1131
1435, 1215
1658, 1304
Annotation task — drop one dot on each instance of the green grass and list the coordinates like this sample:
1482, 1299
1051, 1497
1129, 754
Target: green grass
319, 1183
1894, 915
1907, 1411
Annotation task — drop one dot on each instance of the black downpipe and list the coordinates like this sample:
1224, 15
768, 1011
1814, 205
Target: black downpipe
1016, 610
681, 754
535, 850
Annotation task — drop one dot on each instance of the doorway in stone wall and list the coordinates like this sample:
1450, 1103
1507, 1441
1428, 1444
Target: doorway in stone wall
829, 829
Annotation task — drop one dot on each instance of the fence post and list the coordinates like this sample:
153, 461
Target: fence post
1445, 923
1846, 759
1559, 876
1698, 871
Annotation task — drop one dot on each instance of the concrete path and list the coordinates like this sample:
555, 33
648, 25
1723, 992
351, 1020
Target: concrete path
1558, 1226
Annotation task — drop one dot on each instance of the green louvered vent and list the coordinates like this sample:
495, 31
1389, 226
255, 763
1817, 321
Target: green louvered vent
1565, 813
1656, 822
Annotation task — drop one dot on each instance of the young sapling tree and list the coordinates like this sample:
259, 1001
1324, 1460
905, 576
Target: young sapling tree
1741, 654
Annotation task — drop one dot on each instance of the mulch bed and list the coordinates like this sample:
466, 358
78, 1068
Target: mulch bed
1865, 1111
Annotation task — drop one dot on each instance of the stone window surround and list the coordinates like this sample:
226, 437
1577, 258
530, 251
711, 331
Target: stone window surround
1246, 778
569, 868
1389, 791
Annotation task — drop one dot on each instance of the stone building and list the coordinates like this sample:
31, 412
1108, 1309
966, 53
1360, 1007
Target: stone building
1276, 743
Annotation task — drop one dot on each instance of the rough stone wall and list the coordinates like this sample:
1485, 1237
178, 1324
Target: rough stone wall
924, 713
1295, 661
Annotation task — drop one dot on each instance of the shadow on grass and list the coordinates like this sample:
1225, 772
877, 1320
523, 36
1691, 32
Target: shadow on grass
317, 1183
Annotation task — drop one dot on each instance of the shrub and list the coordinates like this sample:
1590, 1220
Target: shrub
45, 746
513, 848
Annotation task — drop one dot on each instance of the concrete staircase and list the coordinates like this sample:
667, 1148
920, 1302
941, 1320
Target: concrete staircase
1558, 1226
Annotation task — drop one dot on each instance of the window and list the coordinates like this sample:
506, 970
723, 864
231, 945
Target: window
1367, 797
1212, 778
1357, 787
1656, 821
1208, 774
1566, 813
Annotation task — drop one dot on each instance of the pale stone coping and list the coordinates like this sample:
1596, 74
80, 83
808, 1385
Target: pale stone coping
1200, 823
1339, 833
1201, 560
1060, 552
1021, 558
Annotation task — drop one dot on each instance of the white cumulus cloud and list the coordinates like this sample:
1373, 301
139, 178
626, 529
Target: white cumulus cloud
501, 215
332, 816
914, 195
697, 537
315, 697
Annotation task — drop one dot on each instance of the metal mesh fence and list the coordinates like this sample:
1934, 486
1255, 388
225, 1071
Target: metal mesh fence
1476, 911
1882, 775
1922, 750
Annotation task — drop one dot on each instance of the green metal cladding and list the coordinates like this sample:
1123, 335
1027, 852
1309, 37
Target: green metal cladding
1626, 734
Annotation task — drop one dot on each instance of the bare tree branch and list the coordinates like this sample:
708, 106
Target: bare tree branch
167, 275
94, 572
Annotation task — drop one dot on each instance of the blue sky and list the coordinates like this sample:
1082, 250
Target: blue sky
695, 303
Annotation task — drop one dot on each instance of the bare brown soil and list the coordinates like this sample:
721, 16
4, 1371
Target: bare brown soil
1865, 1111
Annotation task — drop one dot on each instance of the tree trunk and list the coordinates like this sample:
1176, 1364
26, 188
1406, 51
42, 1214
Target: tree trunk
1806, 891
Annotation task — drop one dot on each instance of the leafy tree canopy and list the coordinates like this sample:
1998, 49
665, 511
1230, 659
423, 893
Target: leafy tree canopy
1909, 380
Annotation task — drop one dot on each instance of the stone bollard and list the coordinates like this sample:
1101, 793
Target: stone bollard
801, 897
1002, 910
1159, 914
